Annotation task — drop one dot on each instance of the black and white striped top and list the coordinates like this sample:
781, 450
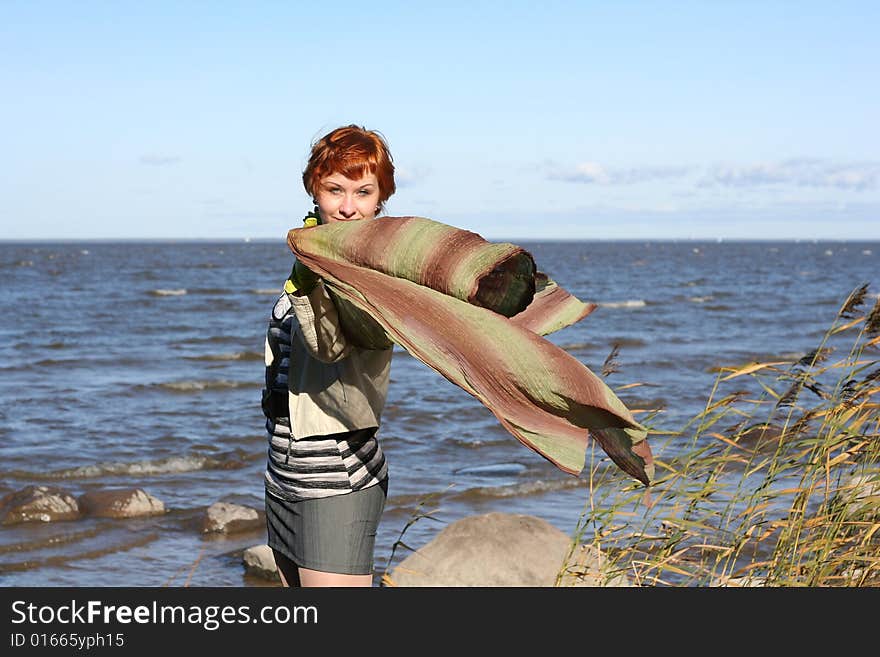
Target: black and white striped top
314, 466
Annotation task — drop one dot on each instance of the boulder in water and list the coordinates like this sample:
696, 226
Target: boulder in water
259, 560
125, 503
38, 504
228, 518
502, 549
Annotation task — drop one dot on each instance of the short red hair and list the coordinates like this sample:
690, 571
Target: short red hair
352, 151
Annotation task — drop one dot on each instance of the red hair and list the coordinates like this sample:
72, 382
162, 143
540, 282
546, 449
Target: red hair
354, 152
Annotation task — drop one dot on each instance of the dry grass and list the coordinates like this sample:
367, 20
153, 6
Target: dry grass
775, 483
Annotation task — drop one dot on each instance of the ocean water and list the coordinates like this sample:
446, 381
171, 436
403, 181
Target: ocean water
139, 365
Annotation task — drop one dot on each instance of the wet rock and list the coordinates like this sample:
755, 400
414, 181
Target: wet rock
38, 504
501, 549
260, 561
227, 518
126, 503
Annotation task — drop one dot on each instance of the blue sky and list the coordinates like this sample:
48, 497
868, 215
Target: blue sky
580, 120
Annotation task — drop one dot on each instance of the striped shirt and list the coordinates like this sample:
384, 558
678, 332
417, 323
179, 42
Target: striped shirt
311, 466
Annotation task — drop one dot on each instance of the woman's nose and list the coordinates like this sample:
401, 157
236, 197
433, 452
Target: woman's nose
347, 208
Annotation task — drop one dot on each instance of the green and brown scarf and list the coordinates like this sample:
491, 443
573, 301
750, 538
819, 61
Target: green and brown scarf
475, 312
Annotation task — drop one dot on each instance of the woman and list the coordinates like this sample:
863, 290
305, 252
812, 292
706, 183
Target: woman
326, 476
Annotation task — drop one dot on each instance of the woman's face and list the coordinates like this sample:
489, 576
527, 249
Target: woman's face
343, 199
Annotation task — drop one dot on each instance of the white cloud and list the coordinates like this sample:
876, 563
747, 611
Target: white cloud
595, 173
800, 172
797, 172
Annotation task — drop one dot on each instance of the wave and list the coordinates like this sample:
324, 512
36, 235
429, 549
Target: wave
199, 386
492, 469
629, 303
479, 443
578, 346
628, 342
113, 361
479, 494
161, 292
524, 489
169, 465
266, 291
209, 339
51, 541
206, 291
238, 355
693, 298
59, 560
215, 291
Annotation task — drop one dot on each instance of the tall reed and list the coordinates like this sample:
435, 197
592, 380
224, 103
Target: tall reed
775, 482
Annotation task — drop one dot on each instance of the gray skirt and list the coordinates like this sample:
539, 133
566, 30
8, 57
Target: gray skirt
332, 534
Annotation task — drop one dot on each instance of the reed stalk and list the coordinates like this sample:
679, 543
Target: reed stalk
775, 483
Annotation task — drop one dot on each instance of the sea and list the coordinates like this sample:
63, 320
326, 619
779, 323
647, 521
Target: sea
139, 364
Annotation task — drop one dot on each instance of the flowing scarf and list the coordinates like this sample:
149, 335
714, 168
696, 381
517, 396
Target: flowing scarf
475, 312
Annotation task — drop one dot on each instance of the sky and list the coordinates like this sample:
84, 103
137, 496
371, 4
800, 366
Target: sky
515, 120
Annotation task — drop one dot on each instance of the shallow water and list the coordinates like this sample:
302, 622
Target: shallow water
139, 364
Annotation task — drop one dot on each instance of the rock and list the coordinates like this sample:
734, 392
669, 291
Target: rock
260, 561
227, 518
501, 549
38, 503
126, 503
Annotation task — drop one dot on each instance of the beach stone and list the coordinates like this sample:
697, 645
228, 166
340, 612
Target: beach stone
40, 504
502, 549
125, 503
228, 518
259, 560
